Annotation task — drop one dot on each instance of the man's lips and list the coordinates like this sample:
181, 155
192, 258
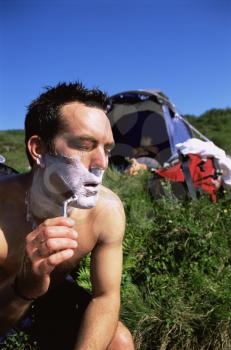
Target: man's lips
92, 187
92, 184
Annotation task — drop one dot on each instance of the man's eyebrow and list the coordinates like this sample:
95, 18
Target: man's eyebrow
83, 138
110, 145
92, 139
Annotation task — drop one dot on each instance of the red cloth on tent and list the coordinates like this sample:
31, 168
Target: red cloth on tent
173, 173
203, 174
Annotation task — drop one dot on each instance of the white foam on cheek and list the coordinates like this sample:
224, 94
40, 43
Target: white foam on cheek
58, 181
72, 173
76, 176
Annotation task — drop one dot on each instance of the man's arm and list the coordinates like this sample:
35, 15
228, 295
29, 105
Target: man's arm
12, 307
101, 317
40, 259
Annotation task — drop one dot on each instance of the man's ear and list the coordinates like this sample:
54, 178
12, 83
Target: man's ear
36, 147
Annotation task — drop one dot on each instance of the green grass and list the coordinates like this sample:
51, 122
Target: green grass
215, 125
176, 282
176, 291
13, 149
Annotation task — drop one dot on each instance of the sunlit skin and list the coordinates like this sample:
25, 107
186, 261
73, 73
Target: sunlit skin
56, 246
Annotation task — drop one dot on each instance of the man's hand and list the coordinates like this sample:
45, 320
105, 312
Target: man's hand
50, 244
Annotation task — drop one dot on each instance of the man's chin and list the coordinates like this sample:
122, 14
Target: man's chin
84, 202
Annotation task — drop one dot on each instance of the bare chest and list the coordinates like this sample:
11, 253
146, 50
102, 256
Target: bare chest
86, 242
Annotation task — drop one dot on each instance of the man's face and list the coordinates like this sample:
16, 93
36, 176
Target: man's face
87, 135
82, 149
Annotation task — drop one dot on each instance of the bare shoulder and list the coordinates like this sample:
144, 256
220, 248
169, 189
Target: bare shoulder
12, 198
110, 216
110, 198
9, 189
5, 190
11, 185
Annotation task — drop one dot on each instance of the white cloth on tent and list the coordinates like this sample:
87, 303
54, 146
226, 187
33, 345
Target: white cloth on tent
205, 149
2, 159
225, 164
208, 149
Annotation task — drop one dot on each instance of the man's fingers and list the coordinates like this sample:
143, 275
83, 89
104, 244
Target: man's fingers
47, 265
50, 239
58, 231
60, 243
59, 221
48, 247
51, 243
61, 224
48, 233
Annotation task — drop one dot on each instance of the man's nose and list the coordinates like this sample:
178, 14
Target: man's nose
99, 158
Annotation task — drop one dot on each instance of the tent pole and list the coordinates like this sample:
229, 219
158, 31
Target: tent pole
192, 128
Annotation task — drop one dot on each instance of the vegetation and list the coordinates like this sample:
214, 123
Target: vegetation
176, 278
215, 125
13, 149
176, 292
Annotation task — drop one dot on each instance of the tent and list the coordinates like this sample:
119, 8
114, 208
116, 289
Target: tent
146, 126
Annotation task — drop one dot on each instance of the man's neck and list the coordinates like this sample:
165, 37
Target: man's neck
40, 203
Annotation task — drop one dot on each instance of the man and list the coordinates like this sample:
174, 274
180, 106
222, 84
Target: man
52, 217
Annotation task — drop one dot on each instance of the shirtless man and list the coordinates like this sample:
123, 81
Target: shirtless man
53, 216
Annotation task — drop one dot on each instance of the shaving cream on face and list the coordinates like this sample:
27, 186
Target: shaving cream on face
63, 179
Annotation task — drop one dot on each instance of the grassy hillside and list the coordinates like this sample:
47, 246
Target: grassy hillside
12, 148
176, 292
215, 125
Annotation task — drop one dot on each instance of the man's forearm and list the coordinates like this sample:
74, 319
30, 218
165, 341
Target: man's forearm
99, 324
12, 308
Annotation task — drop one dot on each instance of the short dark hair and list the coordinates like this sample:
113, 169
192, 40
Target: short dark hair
43, 116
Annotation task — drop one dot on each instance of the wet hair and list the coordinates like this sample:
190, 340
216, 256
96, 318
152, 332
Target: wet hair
43, 116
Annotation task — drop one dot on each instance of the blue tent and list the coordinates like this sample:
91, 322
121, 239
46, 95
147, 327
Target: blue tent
146, 126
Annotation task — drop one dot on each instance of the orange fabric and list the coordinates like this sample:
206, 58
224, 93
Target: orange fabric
135, 167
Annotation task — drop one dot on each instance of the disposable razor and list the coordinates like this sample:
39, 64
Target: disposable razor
66, 203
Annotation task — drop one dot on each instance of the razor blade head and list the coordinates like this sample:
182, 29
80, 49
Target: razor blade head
66, 203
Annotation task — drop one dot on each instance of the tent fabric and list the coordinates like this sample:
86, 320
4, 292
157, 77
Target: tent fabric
144, 124
177, 130
170, 127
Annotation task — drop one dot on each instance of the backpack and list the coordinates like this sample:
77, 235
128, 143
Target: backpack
6, 170
189, 176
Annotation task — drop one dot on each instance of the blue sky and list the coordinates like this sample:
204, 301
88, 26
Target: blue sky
180, 47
